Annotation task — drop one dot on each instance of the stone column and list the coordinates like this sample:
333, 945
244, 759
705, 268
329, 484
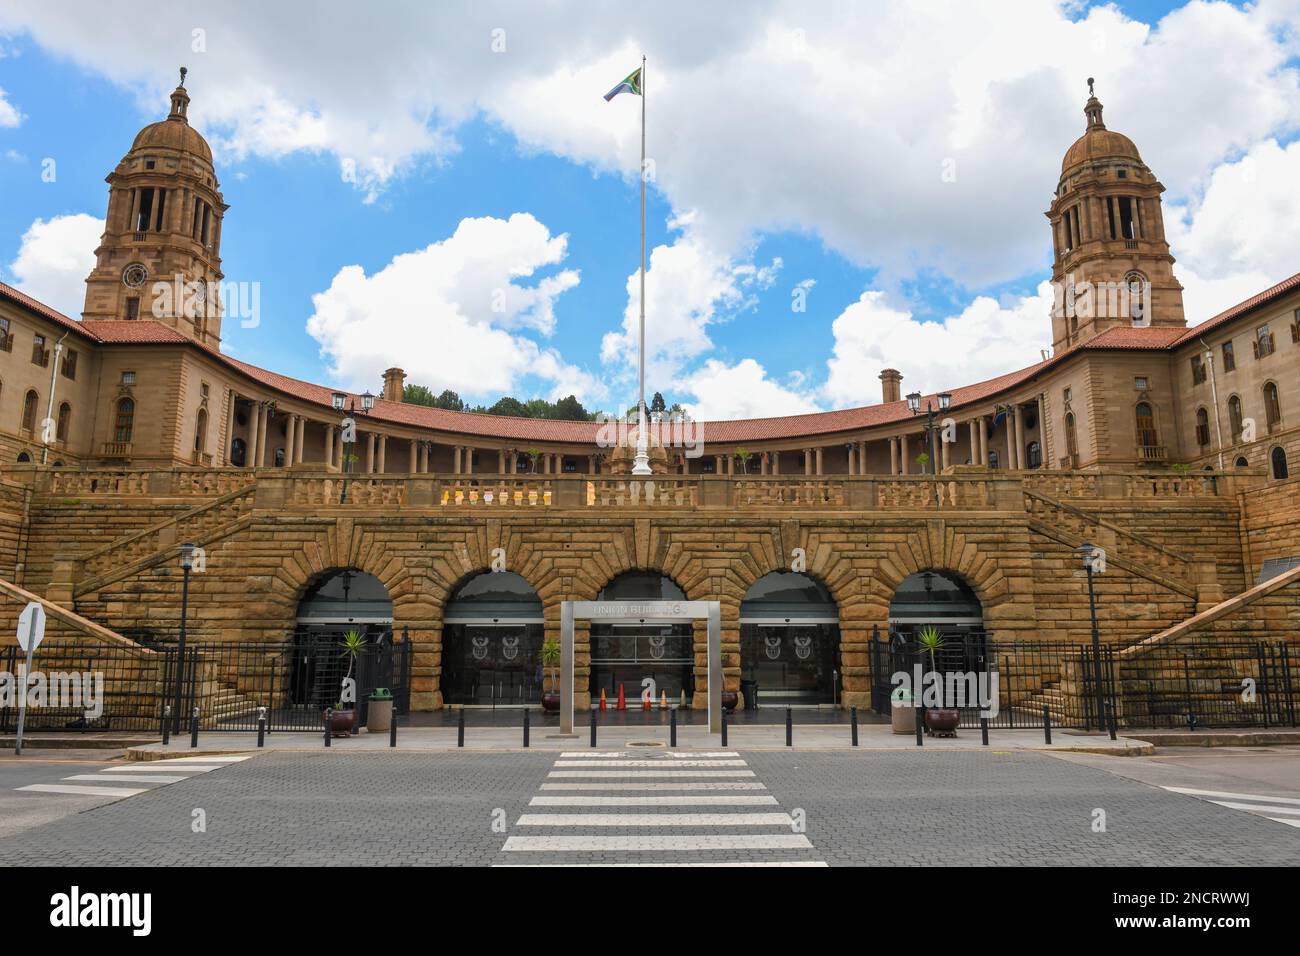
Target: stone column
467, 460
862, 457
717, 464
329, 445
254, 434
776, 463
974, 441
302, 440
261, 437
289, 436
370, 453
853, 458
414, 465
1044, 452
1011, 438
904, 459
819, 460
224, 457
984, 441
893, 456
456, 460
943, 451
383, 454
1020, 439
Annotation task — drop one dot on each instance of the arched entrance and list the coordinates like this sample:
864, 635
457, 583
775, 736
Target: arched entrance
789, 642
941, 599
639, 655
492, 642
337, 602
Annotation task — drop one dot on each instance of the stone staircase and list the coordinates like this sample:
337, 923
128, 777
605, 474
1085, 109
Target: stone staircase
226, 704
137, 552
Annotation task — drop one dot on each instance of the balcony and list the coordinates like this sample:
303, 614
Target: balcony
116, 450
201, 459
1152, 453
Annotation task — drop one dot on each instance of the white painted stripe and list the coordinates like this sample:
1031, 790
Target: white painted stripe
210, 758
1228, 795
597, 754
646, 785
653, 842
154, 768
607, 754
148, 778
1262, 808
81, 790
674, 774
670, 800
654, 820
726, 863
650, 763
1292, 823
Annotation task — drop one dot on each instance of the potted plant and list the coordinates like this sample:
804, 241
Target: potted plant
551, 660
743, 455
343, 716
730, 700
939, 721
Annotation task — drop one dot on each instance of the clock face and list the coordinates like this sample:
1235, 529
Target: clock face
134, 275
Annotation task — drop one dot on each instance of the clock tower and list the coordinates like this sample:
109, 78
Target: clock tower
160, 255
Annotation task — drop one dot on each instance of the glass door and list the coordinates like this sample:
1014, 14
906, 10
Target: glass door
641, 657
494, 665
789, 664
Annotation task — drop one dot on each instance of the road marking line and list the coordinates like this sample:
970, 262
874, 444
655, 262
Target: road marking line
654, 820
715, 785
726, 863
212, 758
662, 801
650, 763
81, 790
613, 754
1292, 823
1262, 808
682, 774
1228, 795
653, 843
188, 768
157, 778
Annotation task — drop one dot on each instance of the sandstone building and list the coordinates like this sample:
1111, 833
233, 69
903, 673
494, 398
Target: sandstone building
128, 431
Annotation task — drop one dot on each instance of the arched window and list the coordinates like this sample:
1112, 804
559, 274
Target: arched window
1034, 454
1202, 428
1278, 460
1234, 418
1145, 420
29, 410
1272, 406
1242, 462
201, 431
64, 422
1071, 440
124, 425
23, 456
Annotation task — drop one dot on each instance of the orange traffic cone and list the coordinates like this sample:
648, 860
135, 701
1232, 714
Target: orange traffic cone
602, 700
622, 698
645, 699
663, 701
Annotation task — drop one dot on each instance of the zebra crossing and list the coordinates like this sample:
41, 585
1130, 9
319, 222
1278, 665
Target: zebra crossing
1278, 809
129, 780
615, 808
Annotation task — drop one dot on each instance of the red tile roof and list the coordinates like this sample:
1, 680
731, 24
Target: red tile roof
149, 332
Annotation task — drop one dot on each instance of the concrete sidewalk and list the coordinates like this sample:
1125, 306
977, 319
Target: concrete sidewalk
762, 737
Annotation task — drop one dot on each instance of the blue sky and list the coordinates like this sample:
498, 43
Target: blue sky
943, 286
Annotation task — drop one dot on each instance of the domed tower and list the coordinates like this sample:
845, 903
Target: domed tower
1112, 264
160, 255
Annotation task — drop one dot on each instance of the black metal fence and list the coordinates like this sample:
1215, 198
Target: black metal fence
1009, 683
83, 688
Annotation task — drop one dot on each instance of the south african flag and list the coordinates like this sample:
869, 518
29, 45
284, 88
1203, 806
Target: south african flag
630, 84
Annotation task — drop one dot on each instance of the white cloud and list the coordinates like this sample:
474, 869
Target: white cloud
454, 314
9, 115
742, 390
1242, 235
986, 340
54, 259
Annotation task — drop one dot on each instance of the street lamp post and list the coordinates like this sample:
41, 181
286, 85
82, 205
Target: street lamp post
914, 406
342, 402
1089, 555
187, 564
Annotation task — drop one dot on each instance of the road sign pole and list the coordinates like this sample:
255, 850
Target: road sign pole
22, 689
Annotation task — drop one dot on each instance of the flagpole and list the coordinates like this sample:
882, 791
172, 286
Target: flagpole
641, 464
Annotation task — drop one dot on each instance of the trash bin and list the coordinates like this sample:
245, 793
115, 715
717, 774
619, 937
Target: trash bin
749, 693
902, 714
379, 716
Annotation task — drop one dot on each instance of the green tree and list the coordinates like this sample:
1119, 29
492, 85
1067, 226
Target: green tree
657, 403
509, 406
569, 409
450, 401
418, 395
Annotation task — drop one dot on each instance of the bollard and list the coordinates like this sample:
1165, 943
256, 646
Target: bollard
920, 726
460, 729
392, 730
724, 730
167, 725
789, 727
1047, 726
261, 726
1110, 721
194, 728
984, 731
329, 716
672, 727
853, 720
593, 727
525, 728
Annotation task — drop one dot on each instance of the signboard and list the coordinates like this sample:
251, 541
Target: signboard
31, 627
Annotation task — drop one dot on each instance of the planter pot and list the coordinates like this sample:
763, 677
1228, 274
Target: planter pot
902, 717
551, 702
942, 721
341, 722
729, 700
379, 717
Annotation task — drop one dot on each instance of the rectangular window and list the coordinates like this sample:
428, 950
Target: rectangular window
39, 355
1198, 370
203, 232
1229, 359
1140, 383
69, 368
1295, 327
162, 202
1065, 395
146, 211
128, 378
6, 340
1263, 342
1203, 435
133, 308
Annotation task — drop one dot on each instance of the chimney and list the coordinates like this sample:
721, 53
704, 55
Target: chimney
394, 378
891, 385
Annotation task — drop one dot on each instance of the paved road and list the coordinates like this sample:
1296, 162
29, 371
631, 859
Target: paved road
909, 807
